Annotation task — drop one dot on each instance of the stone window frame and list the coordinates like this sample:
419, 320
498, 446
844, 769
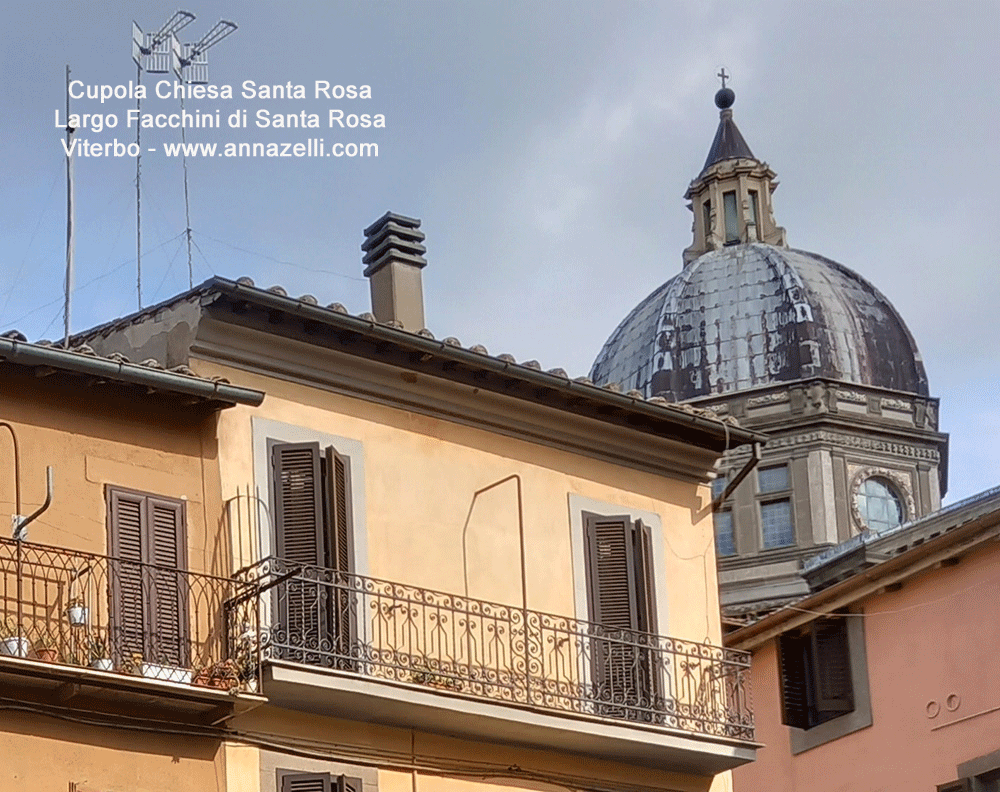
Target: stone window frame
774, 496
904, 490
265, 432
802, 740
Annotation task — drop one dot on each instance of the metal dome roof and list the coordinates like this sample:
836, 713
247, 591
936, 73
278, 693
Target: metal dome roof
750, 315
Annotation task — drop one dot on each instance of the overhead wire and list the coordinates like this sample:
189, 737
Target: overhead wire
282, 261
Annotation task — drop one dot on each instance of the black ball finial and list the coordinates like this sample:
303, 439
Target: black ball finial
724, 98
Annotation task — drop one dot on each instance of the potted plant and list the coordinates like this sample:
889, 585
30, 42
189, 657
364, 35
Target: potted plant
223, 675
77, 612
12, 642
46, 647
100, 657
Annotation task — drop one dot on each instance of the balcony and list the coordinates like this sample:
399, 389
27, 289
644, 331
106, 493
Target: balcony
99, 632
345, 644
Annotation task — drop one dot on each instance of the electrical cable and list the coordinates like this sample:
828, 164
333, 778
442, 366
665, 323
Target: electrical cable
281, 261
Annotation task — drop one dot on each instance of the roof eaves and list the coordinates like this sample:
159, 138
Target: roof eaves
634, 401
83, 361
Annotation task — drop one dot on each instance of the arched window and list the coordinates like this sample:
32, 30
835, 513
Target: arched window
879, 504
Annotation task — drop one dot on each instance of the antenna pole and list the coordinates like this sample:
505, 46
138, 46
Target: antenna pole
69, 215
138, 191
187, 200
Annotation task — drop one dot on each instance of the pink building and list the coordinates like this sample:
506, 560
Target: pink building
886, 677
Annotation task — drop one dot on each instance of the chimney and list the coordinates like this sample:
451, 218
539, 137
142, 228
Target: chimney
393, 260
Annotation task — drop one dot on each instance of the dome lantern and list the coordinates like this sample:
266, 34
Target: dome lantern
731, 197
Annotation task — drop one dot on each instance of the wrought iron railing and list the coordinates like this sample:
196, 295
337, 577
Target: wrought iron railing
464, 646
111, 614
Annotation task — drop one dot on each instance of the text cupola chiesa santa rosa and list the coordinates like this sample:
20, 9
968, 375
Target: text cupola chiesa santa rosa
797, 346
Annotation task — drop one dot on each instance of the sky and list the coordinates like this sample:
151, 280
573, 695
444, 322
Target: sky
546, 147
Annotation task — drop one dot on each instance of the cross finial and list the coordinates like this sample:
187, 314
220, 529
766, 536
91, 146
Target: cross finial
723, 76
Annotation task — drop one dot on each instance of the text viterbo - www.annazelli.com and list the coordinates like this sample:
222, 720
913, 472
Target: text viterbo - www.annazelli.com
312, 147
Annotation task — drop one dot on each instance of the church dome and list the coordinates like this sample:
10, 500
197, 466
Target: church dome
746, 310
753, 314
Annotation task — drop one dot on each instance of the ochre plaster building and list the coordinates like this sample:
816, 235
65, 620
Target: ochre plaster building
112, 593
430, 568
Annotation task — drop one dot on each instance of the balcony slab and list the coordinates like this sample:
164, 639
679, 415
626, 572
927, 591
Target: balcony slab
44, 683
355, 697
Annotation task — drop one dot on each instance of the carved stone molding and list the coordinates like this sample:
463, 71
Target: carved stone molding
768, 398
852, 396
862, 443
902, 484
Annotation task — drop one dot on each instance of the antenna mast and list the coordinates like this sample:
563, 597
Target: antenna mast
194, 71
69, 215
156, 53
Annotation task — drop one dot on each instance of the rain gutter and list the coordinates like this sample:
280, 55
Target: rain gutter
26, 354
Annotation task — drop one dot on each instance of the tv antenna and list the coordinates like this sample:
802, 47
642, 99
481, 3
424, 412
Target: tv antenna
193, 69
156, 53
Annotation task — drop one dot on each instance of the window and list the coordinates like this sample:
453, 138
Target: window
706, 209
147, 535
879, 505
732, 219
318, 782
620, 595
312, 516
777, 527
754, 211
815, 672
725, 540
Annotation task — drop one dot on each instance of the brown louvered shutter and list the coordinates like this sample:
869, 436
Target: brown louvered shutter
611, 563
129, 602
298, 497
832, 666
306, 782
148, 542
298, 502
792, 668
617, 594
961, 785
167, 587
643, 549
341, 605
340, 510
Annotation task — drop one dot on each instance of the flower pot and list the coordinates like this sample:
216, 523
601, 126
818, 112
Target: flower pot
47, 655
77, 615
15, 646
102, 664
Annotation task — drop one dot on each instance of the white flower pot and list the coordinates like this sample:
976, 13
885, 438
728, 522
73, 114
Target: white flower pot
15, 646
77, 615
102, 664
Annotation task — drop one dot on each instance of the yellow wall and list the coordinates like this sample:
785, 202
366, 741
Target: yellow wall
44, 754
92, 438
421, 474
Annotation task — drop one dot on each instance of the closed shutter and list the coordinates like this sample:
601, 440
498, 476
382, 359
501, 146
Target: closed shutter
168, 589
643, 549
792, 661
962, 785
306, 782
618, 562
832, 666
611, 562
129, 599
303, 613
148, 542
342, 604
298, 502
319, 782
